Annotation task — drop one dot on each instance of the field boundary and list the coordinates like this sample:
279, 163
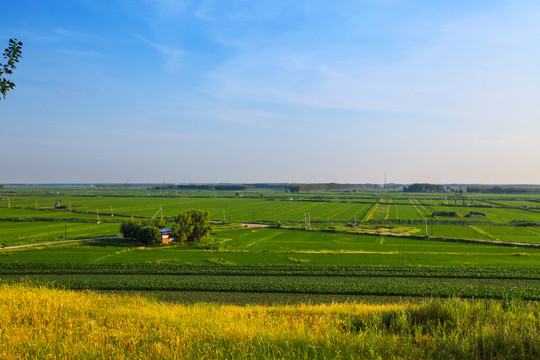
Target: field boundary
58, 242
416, 237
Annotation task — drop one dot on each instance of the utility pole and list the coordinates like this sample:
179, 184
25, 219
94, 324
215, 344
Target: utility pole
97, 215
70, 207
224, 216
8, 203
427, 235
36, 204
111, 211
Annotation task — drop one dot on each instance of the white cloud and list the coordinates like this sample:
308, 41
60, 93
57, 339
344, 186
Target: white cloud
477, 68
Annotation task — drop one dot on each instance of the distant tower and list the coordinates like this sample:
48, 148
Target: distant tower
385, 179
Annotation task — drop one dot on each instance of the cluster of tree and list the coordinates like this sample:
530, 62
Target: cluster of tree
424, 188
189, 226
503, 189
145, 231
446, 214
192, 225
476, 214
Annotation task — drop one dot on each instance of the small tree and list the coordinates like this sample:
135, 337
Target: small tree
201, 223
160, 223
12, 55
149, 235
182, 227
130, 228
192, 225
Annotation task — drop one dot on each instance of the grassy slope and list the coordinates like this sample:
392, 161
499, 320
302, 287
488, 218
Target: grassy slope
44, 324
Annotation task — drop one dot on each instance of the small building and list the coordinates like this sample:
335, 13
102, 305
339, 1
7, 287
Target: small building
166, 235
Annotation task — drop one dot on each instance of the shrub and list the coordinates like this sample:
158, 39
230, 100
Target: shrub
446, 214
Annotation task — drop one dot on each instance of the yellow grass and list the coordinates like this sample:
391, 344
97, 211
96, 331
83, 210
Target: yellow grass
41, 323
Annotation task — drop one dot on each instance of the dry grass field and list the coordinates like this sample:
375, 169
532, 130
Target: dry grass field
41, 323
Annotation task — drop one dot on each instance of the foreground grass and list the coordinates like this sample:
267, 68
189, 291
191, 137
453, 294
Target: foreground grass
42, 323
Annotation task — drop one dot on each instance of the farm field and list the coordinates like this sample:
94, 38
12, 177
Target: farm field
512, 233
339, 285
355, 237
285, 261
17, 233
235, 209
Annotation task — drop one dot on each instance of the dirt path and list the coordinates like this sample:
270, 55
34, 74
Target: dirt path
255, 226
57, 242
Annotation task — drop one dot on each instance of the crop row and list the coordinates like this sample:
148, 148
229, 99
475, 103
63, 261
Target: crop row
471, 272
482, 288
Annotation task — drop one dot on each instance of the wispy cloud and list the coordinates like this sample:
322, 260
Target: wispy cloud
80, 53
173, 56
205, 11
252, 118
64, 33
151, 134
464, 71
167, 8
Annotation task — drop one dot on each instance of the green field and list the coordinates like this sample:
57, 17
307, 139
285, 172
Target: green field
360, 244
17, 233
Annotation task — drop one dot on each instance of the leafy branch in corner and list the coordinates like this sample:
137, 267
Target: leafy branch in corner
12, 55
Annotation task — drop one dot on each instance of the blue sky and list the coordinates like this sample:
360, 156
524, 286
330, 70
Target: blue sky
272, 91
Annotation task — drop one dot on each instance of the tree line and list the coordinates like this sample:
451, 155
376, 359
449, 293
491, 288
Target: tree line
502, 189
304, 188
424, 188
207, 187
